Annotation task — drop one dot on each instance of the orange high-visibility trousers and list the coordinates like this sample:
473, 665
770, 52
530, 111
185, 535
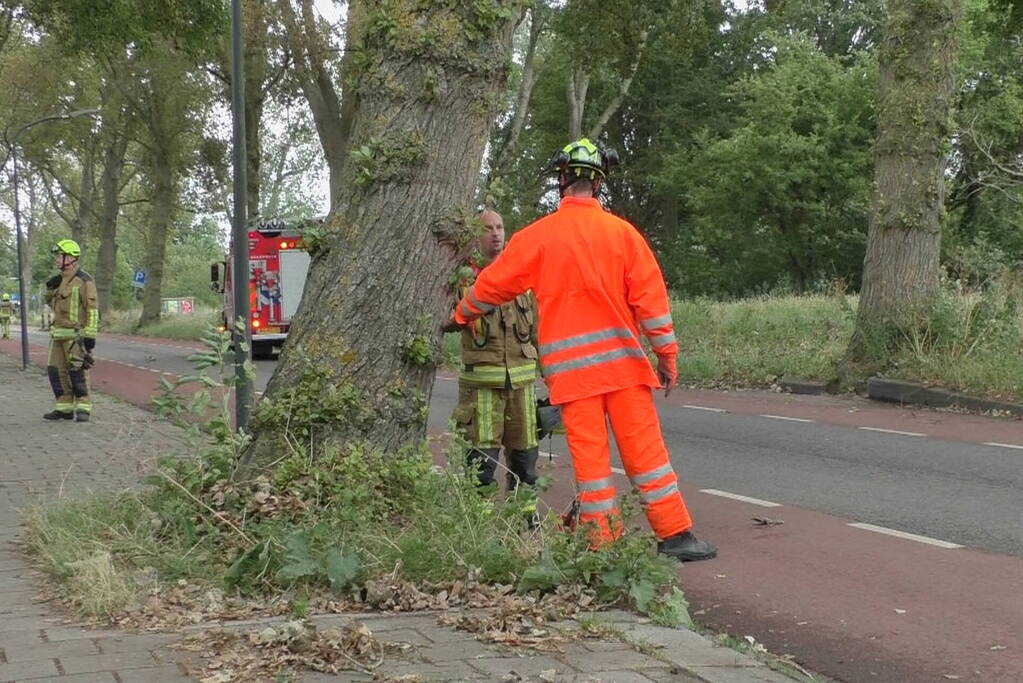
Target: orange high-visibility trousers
645, 458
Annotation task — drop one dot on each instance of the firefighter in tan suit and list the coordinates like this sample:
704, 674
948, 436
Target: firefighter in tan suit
6, 311
496, 394
72, 296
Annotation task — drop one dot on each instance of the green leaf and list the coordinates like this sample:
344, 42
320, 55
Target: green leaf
246, 562
342, 568
299, 562
642, 592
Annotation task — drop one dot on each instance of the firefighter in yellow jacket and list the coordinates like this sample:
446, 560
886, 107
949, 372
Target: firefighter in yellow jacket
496, 394
6, 311
72, 296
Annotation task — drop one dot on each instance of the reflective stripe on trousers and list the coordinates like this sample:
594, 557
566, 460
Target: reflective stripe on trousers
644, 455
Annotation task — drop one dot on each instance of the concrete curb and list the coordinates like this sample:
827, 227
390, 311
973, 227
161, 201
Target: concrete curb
797, 385
898, 391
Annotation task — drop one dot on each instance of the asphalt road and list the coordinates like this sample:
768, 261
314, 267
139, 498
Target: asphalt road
898, 553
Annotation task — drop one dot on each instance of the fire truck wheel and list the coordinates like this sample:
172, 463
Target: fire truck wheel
262, 351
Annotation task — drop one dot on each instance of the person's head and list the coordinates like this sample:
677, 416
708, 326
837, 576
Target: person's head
66, 253
491, 241
582, 168
7, 297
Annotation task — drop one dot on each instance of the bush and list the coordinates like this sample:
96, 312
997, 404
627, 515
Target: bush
169, 327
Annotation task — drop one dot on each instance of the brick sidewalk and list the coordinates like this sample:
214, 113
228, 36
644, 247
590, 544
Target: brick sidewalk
41, 462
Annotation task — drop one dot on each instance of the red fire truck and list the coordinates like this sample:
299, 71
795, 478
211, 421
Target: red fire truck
278, 265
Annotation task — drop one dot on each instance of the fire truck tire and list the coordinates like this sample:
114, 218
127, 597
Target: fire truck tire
262, 351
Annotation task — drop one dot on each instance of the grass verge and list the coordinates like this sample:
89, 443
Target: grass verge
172, 326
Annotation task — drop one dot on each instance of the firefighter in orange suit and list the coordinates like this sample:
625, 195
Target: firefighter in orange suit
598, 286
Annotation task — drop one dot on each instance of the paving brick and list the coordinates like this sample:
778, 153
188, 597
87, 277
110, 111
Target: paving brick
730, 674
449, 652
591, 662
113, 662
524, 666
405, 635
59, 633
70, 648
99, 677
40, 669
24, 623
614, 677
453, 671
136, 642
685, 648
167, 673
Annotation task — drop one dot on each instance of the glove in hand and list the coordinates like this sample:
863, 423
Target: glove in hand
450, 326
88, 343
53, 282
667, 372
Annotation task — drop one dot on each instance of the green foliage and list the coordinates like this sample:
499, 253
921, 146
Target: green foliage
337, 523
800, 151
381, 160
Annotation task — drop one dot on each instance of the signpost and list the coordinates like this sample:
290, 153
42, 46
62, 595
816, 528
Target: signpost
138, 278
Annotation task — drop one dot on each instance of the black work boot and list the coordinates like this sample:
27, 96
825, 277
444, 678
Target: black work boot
685, 547
81, 416
58, 415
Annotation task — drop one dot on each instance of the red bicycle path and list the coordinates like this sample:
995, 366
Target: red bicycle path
849, 603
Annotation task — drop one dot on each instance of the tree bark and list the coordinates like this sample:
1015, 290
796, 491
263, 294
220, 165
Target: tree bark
106, 258
623, 89
916, 94
160, 217
428, 80
578, 84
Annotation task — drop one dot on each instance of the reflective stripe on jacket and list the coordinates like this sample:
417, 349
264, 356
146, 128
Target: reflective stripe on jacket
597, 286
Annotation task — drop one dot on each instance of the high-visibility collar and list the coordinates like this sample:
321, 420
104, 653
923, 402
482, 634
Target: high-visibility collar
573, 202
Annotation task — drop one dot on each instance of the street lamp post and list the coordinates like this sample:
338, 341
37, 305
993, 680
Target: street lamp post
23, 303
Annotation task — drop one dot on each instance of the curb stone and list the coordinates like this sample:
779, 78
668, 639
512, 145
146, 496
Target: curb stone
899, 391
797, 385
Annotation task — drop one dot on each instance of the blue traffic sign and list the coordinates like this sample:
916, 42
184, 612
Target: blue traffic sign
138, 278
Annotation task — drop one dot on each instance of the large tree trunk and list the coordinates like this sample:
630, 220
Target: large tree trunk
378, 286
106, 258
917, 87
160, 218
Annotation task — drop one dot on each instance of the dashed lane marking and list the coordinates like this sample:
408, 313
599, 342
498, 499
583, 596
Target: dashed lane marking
890, 431
787, 418
745, 499
707, 408
905, 535
1003, 445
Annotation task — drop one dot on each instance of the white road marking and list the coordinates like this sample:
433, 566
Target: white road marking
744, 499
548, 454
1003, 445
905, 534
785, 417
891, 431
707, 408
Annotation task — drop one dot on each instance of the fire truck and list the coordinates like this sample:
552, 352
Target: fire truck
278, 265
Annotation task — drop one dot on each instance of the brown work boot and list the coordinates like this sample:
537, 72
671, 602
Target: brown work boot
685, 547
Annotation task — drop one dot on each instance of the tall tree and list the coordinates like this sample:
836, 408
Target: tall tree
917, 85
427, 80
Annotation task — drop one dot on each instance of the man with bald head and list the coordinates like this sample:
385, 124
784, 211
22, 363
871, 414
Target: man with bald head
496, 395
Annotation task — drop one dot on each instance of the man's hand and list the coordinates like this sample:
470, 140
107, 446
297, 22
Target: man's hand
88, 343
88, 361
667, 372
451, 325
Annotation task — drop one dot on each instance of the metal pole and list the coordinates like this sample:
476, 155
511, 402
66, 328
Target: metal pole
23, 304
240, 239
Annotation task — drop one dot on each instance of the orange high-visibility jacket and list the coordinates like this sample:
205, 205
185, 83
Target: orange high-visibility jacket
597, 284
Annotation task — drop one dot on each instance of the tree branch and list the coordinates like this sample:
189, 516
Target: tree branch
623, 89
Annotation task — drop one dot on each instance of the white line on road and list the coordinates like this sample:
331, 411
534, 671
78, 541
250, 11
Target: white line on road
1003, 445
548, 454
890, 431
785, 417
905, 534
707, 408
744, 499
